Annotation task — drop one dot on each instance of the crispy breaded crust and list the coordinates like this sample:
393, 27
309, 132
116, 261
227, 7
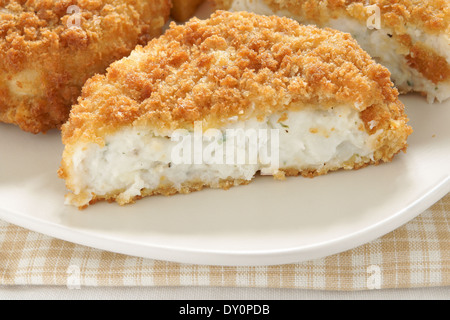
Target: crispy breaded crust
234, 64
44, 63
430, 15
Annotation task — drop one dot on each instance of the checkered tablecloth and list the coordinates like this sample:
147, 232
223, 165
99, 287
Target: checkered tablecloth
415, 255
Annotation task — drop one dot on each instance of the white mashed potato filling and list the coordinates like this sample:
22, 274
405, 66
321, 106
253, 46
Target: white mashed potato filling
382, 47
134, 159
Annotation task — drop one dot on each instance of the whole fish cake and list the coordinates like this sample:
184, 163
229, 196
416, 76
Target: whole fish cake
315, 99
409, 37
49, 48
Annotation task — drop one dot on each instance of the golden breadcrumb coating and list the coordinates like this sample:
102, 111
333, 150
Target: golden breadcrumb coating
234, 64
431, 16
44, 63
182, 10
429, 63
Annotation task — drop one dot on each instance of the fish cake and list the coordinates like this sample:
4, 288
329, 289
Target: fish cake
409, 37
330, 105
49, 48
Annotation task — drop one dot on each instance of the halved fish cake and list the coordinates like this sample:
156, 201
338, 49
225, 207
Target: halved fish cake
49, 48
410, 37
330, 104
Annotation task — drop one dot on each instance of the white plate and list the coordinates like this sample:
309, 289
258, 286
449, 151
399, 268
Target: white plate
268, 222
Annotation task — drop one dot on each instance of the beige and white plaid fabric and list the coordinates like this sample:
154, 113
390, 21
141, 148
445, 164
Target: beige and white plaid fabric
415, 255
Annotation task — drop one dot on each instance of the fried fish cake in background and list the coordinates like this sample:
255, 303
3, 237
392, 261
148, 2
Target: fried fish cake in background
182, 10
45, 58
334, 108
413, 41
